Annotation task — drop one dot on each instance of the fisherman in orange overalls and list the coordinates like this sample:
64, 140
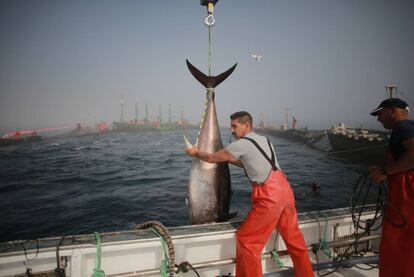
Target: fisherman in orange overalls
397, 241
273, 203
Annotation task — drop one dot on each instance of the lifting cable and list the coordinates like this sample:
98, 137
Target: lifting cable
209, 48
209, 22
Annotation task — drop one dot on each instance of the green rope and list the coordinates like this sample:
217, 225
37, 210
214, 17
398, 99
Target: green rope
323, 243
275, 257
164, 267
324, 246
97, 271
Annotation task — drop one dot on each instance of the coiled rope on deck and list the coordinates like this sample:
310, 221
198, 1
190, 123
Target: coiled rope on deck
364, 186
358, 205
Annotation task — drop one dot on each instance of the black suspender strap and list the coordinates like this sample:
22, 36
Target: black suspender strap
270, 160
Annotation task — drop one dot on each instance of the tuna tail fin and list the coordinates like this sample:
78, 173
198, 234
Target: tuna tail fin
209, 81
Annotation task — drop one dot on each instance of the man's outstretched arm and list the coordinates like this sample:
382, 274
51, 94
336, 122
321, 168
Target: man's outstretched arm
218, 157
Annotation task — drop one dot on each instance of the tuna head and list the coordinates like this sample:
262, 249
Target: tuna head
209, 188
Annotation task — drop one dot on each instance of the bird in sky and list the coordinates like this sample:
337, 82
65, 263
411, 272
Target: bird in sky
256, 57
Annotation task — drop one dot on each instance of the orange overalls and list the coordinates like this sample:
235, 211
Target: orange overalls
397, 242
273, 205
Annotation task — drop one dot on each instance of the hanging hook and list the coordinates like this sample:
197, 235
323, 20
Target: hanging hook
209, 21
28, 272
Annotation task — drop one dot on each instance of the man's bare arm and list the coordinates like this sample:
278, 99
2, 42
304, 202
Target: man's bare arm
218, 157
236, 162
405, 162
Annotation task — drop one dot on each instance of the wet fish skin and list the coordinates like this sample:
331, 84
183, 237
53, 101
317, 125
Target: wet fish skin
209, 188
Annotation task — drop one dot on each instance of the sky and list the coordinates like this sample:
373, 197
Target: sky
326, 61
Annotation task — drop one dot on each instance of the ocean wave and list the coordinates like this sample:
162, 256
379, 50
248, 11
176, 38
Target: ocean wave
110, 182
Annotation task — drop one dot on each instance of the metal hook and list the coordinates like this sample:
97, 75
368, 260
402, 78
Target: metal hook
209, 21
28, 272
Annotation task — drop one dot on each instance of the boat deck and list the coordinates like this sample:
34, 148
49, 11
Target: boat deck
210, 248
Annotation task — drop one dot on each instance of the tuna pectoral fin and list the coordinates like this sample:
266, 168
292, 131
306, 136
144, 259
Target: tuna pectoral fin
187, 141
187, 204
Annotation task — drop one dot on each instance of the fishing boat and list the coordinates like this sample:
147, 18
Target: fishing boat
18, 137
334, 241
12, 141
83, 130
124, 126
358, 142
177, 126
355, 144
303, 135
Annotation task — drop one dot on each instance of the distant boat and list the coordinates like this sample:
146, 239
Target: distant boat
18, 137
125, 126
82, 130
143, 126
357, 142
176, 126
354, 144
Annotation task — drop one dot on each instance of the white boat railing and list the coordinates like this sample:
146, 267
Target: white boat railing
209, 248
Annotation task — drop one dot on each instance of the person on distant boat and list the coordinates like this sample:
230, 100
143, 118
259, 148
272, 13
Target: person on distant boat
273, 202
294, 121
397, 242
17, 135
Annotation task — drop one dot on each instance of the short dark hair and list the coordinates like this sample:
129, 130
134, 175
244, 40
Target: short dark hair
243, 117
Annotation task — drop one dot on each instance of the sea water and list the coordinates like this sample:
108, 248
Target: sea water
110, 182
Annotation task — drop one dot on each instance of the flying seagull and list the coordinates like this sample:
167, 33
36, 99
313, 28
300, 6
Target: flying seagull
256, 57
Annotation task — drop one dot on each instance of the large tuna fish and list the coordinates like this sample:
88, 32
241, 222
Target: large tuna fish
209, 189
